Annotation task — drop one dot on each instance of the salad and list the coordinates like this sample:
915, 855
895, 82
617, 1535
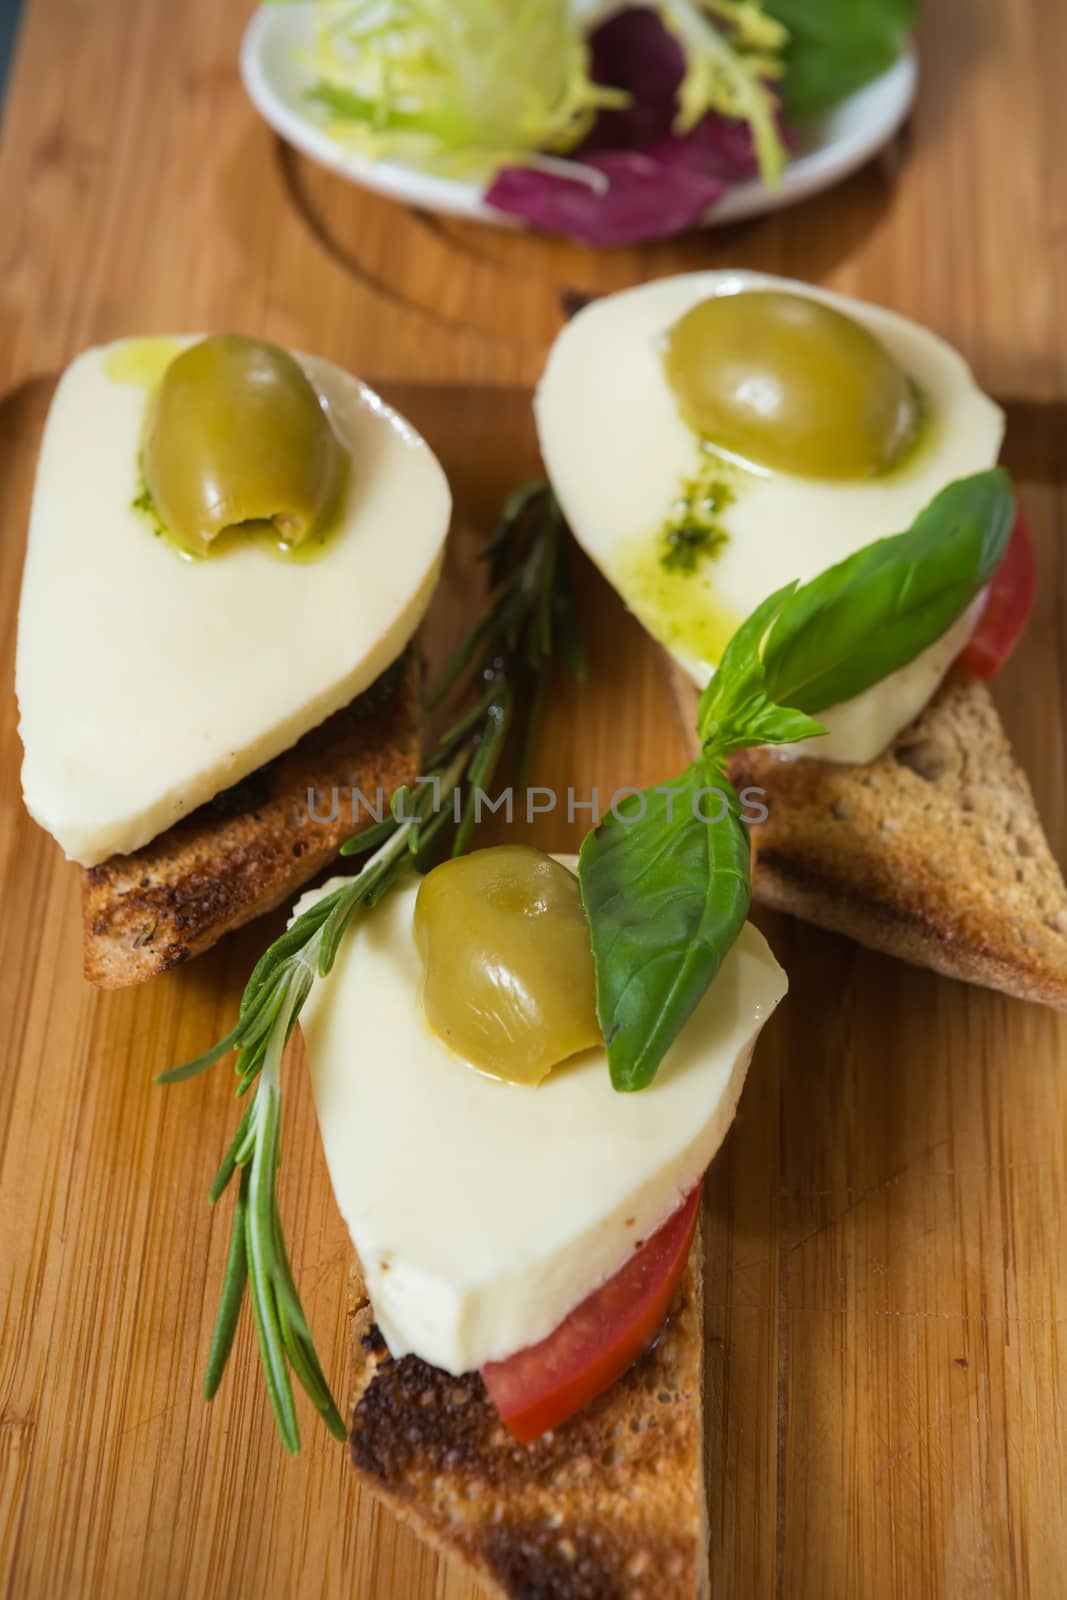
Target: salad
610, 123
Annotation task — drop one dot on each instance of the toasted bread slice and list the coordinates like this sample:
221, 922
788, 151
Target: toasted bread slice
252, 846
608, 1507
934, 852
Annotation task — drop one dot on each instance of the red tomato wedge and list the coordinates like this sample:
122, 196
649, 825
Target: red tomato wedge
541, 1386
1007, 608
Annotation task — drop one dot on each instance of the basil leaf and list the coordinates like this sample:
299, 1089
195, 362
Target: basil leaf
874, 612
666, 891
740, 674
836, 46
735, 711
665, 888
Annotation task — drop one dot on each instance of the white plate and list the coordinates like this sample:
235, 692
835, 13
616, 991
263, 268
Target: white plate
277, 79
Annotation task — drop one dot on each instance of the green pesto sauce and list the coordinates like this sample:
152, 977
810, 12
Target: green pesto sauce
142, 362
678, 606
145, 507
693, 530
668, 577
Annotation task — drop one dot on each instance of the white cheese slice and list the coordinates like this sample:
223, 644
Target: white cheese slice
484, 1212
617, 451
147, 683
861, 728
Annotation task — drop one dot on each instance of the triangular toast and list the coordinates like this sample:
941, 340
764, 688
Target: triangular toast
608, 1507
934, 852
245, 852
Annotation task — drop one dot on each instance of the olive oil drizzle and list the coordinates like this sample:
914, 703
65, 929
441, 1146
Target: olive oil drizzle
141, 362
667, 574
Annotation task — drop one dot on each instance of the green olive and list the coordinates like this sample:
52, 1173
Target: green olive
508, 970
235, 434
787, 383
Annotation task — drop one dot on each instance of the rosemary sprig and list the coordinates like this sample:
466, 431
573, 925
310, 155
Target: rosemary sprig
506, 659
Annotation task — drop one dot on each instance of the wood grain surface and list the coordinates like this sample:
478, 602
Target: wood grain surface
886, 1275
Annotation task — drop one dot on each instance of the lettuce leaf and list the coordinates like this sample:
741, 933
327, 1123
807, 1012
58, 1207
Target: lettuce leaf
609, 122
836, 46
462, 85
635, 176
634, 51
731, 55
468, 85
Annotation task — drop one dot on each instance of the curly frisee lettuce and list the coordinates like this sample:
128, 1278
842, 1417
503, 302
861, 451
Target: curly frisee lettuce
459, 85
468, 86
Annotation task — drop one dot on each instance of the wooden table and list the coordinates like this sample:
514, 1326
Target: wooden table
887, 1277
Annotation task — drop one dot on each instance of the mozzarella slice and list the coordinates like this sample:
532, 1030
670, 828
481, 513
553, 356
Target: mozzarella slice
859, 729
617, 452
148, 683
484, 1212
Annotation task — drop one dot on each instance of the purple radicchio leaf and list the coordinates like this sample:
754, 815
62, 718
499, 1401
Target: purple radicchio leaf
644, 199
632, 50
716, 147
658, 182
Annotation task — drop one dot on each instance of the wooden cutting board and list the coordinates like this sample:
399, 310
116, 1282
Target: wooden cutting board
887, 1284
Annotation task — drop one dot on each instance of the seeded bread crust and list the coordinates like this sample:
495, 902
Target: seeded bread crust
254, 845
608, 1507
934, 852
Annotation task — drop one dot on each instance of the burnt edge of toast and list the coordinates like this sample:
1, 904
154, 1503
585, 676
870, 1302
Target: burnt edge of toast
230, 859
564, 1518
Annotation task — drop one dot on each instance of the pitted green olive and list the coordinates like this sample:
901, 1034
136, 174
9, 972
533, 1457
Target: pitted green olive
508, 970
788, 383
235, 434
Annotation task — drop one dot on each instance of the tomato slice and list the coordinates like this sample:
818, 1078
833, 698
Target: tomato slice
541, 1386
1007, 608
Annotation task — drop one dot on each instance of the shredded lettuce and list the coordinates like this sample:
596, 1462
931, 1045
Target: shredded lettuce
732, 50
462, 84
468, 86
